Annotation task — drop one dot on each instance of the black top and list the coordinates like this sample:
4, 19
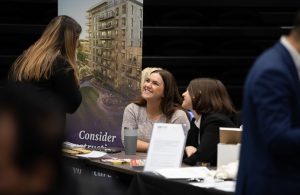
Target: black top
209, 138
62, 83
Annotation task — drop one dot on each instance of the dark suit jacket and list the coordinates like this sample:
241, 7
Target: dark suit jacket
270, 151
209, 138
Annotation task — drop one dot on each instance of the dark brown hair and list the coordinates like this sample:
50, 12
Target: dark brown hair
210, 96
171, 100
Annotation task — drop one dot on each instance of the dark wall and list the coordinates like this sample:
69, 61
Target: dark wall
212, 38
21, 24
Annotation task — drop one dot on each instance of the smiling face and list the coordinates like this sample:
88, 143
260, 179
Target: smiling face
187, 100
153, 87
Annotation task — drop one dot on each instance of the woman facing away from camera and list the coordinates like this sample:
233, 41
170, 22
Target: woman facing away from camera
50, 63
212, 107
160, 102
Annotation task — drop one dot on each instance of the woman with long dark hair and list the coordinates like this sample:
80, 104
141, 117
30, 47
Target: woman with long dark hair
50, 62
160, 102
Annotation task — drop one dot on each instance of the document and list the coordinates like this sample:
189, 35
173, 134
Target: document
228, 186
166, 147
184, 172
93, 154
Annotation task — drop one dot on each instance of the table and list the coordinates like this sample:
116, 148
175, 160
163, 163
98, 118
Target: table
149, 184
126, 169
123, 179
97, 177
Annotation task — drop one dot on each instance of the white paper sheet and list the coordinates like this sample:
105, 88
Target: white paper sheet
184, 173
70, 145
228, 186
166, 147
93, 154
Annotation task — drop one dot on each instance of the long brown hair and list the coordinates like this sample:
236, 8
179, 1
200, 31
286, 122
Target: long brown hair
58, 39
171, 100
210, 96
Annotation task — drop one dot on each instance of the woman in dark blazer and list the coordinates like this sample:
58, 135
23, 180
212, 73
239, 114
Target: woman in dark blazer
212, 108
50, 63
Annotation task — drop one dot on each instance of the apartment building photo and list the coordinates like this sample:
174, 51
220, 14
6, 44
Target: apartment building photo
115, 44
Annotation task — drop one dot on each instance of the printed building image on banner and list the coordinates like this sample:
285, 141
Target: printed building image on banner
109, 62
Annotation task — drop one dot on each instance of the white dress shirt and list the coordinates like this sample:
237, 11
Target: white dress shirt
197, 123
294, 53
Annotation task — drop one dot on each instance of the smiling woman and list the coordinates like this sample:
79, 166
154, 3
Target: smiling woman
160, 102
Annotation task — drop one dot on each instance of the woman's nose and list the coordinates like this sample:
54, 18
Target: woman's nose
147, 84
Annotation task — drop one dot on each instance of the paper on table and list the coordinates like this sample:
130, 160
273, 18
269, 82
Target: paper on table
70, 145
184, 173
166, 147
93, 154
228, 186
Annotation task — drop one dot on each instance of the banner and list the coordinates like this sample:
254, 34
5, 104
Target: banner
109, 62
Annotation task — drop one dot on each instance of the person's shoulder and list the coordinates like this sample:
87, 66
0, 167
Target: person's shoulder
61, 63
268, 71
60, 60
133, 107
179, 112
218, 117
271, 51
271, 59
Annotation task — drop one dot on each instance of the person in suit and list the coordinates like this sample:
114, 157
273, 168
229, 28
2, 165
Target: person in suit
50, 62
160, 102
212, 108
269, 158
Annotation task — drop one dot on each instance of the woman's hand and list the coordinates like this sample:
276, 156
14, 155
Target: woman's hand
190, 150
